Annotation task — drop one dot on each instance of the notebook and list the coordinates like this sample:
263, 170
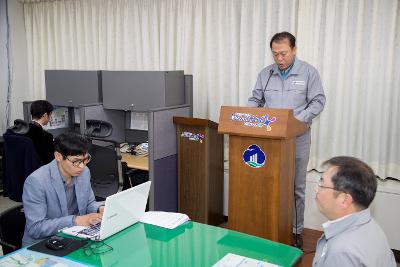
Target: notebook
121, 210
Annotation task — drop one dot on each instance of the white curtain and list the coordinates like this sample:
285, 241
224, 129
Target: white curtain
222, 43
225, 43
5, 80
356, 47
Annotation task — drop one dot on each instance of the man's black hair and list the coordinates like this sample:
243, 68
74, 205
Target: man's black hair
41, 107
355, 178
71, 144
280, 36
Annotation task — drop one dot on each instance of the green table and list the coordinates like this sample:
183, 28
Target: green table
191, 244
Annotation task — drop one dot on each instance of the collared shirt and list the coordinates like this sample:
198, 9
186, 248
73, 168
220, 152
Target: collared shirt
328, 223
356, 240
301, 90
38, 123
285, 73
72, 204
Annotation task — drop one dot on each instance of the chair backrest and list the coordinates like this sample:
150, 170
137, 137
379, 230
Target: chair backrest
20, 127
12, 226
20, 160
105, 169
98, 128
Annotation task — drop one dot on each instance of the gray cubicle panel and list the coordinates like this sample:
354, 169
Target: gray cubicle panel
142, 90
189, 92
72, 88
96, 112
71, 124
163, 157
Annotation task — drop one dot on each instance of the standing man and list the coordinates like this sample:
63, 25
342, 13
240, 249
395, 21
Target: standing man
42, 140
351, 236
59, 194
292, 84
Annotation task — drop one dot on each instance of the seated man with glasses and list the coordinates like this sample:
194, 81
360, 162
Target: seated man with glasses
59, 194
351, 236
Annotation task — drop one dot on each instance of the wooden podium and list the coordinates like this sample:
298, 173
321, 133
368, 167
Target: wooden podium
200, 170
262, 145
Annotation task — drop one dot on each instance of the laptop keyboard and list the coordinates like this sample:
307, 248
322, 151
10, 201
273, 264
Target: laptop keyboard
92, 230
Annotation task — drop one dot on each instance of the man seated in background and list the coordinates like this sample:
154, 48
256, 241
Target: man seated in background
42, 140
59, 194
351, 236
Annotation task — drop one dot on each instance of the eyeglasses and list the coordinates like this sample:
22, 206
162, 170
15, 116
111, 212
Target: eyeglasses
96, 247
324, 187
77, 163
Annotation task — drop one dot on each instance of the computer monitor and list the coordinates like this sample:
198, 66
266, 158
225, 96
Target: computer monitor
62, 119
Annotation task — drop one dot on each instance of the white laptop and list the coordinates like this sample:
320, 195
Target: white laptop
121, 210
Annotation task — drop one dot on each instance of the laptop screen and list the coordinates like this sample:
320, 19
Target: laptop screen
124, 209
121, 211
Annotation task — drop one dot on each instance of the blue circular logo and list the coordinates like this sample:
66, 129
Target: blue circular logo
254, 156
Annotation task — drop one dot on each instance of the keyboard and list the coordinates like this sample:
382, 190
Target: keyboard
92, 230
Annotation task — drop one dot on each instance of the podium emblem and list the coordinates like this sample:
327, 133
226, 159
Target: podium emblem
254, 156
253, 120
193, 137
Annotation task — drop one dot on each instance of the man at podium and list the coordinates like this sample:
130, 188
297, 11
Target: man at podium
294, 84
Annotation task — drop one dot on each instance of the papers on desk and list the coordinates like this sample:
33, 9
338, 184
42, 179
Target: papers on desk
142, 150
139, 121
233, 260
163, 219
31, 258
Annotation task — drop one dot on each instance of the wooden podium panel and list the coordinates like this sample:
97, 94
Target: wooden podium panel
200, 170
261, 199
261, 169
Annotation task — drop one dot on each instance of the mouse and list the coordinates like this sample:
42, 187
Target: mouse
55, 243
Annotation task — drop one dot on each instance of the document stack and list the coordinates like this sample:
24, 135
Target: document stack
169, 220
233, 260
142, 150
